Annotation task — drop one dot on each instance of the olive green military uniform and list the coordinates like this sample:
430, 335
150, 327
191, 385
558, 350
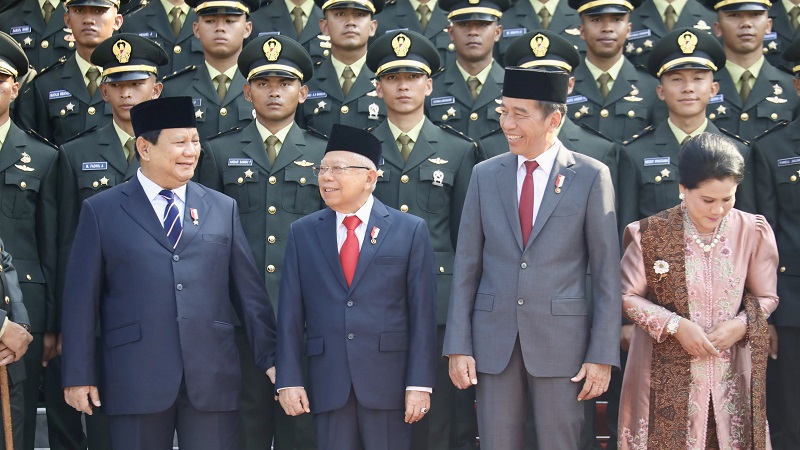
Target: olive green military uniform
274, 18
779, 38
400, 15
44, 43
521, 18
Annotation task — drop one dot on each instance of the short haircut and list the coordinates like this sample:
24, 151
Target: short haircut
362, 160
548, 108
708, 157
149, 136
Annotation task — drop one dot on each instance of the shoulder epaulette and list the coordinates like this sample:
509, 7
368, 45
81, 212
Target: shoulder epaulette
225, 133
320, 134
595, 132
442, 69
778, 126
178, 73
141, 6
735, 136
452, 130
82, 133
491, 133
60, 62
390, 2
647, 130
41, 138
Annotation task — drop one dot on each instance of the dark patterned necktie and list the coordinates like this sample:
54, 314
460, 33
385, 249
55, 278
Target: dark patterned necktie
172, 222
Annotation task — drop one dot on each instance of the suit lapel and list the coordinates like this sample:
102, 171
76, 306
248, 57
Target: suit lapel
235, 89
564, 162
391, 154
456, 85
158, 21
72, 78
622, 85
762, 88
56, 23
507, 189
408, 17
423, 148
311, 31
186, 30
203, 84
329, 81
137, 205
195, 199
32, 16
666, 141
254, 148
110, 148
728, 87
652, 19
780, 20
326, 234
588, 84
378, 217
490, 90
290, 149
564, 18
437, 22
361, 86
12, 148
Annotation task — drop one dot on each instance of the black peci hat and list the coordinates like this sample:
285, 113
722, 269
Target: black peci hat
373, 6
402, 51
355, 140
128, 56
163, 113
592, 7
275, 56
686, 49
544, 50
535, 84
13, 60
484, 10
227, 7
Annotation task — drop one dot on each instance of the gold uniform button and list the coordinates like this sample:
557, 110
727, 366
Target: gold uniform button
603, 113
793, 178
577, 114
8, 300
273, 180
326, 52
639, 50
62, 112
240, 180
783, 269
345, 109
316, 111
712, 116
658, 178
270, 268
23, 185
773, 116
473, 117
765, 49
177, 49
71, 44
444, 116
451, 46
28, 276
631, 113
45, 44
223, 112
403, 208
95, 184
272, 210
302, 180
744, 117
441, 269
404, 179
91, 110
271, 239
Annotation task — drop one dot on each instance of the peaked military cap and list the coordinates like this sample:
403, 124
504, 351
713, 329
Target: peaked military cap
163, 113
373, 6
739, 5
544, 50
275, 56
13, 60
484, 10
686, 48
792, 53
128, 56
351, 139
535, 84
592, 7
402, 51
100, 3
228, 7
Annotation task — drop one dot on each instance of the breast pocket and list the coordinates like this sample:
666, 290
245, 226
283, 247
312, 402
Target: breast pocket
435, 186
788, 179
90, 183
372, 107
300, 191
659, 191
247, 192
774, 112
20, 191
246, 112
634, 114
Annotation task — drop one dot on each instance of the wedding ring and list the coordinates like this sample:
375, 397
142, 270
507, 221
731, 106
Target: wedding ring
424, 410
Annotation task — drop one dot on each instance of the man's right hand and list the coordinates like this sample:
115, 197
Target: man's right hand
82, 398
294, 401
16, 339
462, 371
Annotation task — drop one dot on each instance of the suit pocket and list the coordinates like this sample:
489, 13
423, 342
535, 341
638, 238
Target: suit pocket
124, 334
19, 194
394, 342
216, 238
315, 346
569, 306
484, 302
391, 260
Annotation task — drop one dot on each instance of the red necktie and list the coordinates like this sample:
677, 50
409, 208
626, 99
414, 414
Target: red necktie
348, 255
526, 202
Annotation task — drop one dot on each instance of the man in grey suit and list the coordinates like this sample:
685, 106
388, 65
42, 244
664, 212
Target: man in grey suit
519, 321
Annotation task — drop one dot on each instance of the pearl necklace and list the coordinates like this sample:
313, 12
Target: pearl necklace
696, 238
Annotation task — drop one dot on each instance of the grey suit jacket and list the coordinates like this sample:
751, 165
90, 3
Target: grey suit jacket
502, 290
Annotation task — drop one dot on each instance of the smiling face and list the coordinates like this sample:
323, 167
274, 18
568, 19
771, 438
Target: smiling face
275, 99
348, 191
124, 95
528, 130
742, 32
709, 203
222, 35
170, 163
605, 34
92, 25
474, 39
348, 28
687, 91
404, 93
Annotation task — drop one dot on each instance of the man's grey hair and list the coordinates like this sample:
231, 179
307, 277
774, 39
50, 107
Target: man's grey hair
361, 160
548, 108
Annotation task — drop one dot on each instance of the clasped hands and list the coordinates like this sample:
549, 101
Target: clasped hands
14, 343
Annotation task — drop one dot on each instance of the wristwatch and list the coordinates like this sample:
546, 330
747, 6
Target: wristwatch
672, 325
26, 326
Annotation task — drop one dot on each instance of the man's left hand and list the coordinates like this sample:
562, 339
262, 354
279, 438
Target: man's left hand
597, 378
271, 374
416, 402
51, 347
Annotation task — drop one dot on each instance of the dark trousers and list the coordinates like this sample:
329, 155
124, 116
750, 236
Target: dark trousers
612, 395
17, 396
355, 427
782, 374
33, 377
197, 430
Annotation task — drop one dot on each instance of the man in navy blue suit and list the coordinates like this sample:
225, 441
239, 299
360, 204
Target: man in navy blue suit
365, 301
155, 265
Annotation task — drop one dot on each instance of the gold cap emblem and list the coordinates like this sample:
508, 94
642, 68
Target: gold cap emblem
687, 41
401, 45
122, 50
539, 45
474, 2
272, 49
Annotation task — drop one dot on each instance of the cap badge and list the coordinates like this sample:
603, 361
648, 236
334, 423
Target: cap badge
474, 2
272, 49
122, 50
401, 45
687, 42
539, 45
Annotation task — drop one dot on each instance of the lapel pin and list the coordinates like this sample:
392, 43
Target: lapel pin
559, 183
195, 216
374, 235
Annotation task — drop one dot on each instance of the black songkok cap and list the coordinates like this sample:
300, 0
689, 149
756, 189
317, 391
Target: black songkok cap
544, 50
686, 48
227, 7
536, 84
163, 113
402, 51
128, 56
13, 60
350, 139
483, 10
275, 56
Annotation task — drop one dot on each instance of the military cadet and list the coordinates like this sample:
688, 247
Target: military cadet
467, 92
170, 24
753, 95
90, 163
28, 168
611, 96
425, 17
39, 28
64, 100
776, 158
215, 85
266, 168
425, 171
529, 15
651, 20
341, 90
784, 15
297, 19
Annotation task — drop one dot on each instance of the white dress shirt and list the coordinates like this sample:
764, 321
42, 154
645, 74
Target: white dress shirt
159, 203
540, 176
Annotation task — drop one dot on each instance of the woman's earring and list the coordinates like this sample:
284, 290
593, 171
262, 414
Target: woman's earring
682, 196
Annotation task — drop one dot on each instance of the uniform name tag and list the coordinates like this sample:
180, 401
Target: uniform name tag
576, 99
396, 29
58, 94
514, 32
239, 162
771, 36
639, 34
716, 99
149, 34
197, 102
99, 165
317, 94
656, 161
22, 29
789, 161
270, 33
380, 161
443, 101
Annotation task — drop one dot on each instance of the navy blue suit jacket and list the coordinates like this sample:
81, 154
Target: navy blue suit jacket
378, 335
163, 314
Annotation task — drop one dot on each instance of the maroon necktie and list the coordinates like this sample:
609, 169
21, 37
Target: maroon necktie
526, 202
348, 255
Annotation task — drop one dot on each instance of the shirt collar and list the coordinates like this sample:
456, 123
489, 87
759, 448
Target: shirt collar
84, 66
680, 135
339, 66
52, 2
551, 6
787, 5
4, 132
121, 134
153, 191
230, 73
545, 160
415, 4
481, 76
736, 70
168, 7
413, 133
677, 5
265, 133
307, 6
362, 213
613, 70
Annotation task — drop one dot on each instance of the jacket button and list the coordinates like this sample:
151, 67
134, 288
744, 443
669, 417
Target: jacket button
520, 302
223, 112
272, 210
23, 185
302, 180
349, 303
45, 44
28, 277
273, 180
773, 116
177, 49
783, 269
326, 52
91, 110
271, 239
176, 258
8, 300
345, 109
95, 184
744, 117
179, 287
631, 113
603, 113
270, 268
658, 178
404, 179
441, 269
524, 265
473, 117
351, 336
